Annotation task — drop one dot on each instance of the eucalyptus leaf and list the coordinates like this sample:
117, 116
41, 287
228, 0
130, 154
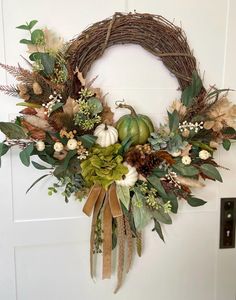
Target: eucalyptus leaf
88, 140
25, 41
12, 131
3, 149
158, 172
156, 183
141, 214
48, 62
173, 120
229, 131
226, 144
184, 170
61, 169
192, 90
35, 56
95, 105
124, 195
56, 107
68, 157
157, 228
32, 24
24, 27
211, 171
175, 143
192, 201
202, 146
37, 36
25, 154
27, 26
161, 216
49, 139
125, 145
173, 201
40, 167
46, 158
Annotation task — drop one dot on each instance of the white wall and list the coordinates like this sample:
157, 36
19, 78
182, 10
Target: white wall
44, 242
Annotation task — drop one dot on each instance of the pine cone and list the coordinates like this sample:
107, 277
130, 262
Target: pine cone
143, 159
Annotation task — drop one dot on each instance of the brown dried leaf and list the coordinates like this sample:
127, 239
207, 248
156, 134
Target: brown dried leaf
107, 115
98, 93
37, 88
71, 107
34, 132
41, 113
28, 111
164, 155
38, 122
59, 120
190, 182
38, 134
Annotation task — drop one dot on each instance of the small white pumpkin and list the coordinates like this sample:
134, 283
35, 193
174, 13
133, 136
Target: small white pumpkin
130, 178
106, 135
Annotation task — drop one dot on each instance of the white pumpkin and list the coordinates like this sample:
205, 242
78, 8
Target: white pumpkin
130, 178
106, 135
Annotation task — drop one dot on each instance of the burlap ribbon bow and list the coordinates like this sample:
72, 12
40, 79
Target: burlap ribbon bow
98, 197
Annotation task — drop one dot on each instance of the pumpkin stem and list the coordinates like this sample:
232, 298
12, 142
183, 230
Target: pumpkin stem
106, 127
123, 105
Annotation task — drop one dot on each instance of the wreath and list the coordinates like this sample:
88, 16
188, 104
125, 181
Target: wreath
128, 173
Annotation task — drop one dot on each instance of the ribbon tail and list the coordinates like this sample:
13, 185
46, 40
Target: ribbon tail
107, 239
96, 211
92, 198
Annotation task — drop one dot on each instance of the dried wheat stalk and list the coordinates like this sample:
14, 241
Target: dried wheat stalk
121, 254
139, 245
10, 90
129, 239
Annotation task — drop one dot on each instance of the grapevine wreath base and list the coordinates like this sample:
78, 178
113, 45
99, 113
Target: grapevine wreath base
128, 173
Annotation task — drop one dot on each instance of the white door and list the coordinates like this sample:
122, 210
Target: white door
44, 243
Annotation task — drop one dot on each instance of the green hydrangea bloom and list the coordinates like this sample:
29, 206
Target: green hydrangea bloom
103, 166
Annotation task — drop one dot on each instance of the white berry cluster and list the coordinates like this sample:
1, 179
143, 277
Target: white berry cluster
186, 160
40, 146
172, 177
73, 144
190, 126
204, 155
55, 98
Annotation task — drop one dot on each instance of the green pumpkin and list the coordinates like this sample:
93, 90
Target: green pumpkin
138, 127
